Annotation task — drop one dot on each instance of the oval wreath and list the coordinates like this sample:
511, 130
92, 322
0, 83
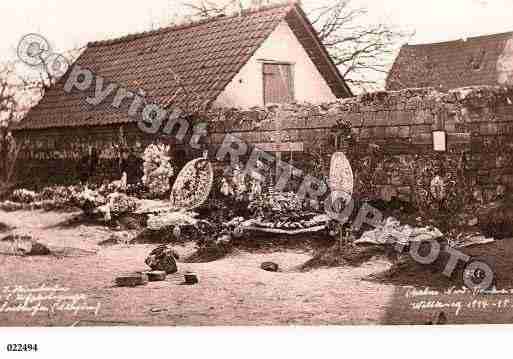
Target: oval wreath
193, 185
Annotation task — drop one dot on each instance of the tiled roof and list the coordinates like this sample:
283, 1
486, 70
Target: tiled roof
483, 60
171, 64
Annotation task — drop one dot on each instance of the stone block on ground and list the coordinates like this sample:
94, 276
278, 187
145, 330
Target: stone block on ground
190, 278
269, 266
156, 275
131, 279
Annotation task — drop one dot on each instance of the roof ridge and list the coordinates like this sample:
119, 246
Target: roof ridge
479, 37
190, 24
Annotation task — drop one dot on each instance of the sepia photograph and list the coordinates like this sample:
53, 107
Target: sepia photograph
207, 163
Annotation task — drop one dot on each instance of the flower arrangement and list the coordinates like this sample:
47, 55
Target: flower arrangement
23, 195
88, 200
51, 197
258, 199
240, 186
136, 189
111, 206
170, 219
107, 188
193, 185
116, 205
120, 203
157, 169
279, 205
60, 196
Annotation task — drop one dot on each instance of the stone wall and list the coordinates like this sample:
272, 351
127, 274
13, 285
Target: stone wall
390, 147
64, 155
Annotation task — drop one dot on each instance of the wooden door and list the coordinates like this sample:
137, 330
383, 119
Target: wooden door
278, 83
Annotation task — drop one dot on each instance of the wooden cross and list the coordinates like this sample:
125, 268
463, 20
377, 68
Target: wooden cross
278, 146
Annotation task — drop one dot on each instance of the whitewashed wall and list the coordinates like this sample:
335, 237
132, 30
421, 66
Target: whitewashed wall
246, 88
505, 64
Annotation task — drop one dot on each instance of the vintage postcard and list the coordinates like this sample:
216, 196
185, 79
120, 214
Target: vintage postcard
255, 162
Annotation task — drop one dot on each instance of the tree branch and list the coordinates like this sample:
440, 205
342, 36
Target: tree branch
360, 48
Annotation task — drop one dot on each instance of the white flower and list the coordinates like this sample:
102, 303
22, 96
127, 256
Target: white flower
157, 169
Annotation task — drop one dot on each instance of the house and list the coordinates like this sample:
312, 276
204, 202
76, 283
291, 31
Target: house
271, 55
254, 58
475, 61
456, 99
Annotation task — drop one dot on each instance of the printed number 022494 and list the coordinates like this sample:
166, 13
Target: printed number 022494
22, 347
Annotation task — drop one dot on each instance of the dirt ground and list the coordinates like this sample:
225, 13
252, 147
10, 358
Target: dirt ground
231, 291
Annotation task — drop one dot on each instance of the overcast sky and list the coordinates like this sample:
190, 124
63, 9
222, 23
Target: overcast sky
68, 24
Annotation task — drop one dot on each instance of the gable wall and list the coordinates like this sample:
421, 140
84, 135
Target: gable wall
246, 88
505, 65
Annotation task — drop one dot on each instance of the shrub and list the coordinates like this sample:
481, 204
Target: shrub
88, 200
120, 203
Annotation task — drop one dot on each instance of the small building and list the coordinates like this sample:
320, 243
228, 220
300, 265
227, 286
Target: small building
476, 61
254, 58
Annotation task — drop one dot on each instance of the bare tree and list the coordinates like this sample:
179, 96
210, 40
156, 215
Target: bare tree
10, 108
205, 9
362, 50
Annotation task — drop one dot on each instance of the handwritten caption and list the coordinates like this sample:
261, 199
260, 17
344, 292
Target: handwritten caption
460, 299
41, 299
